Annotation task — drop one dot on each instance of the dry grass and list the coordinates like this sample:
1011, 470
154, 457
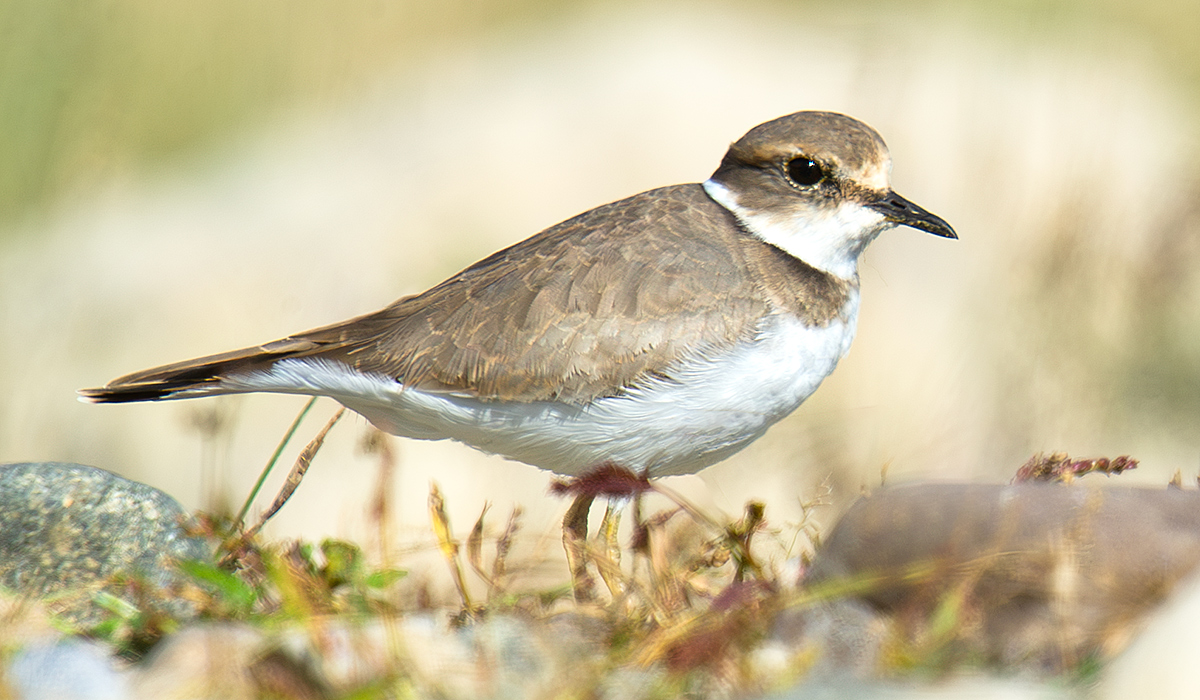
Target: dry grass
691, 598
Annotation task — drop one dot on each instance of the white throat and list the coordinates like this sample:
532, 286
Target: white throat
830, 242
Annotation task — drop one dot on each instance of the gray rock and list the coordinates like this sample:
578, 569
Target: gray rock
503, 656
973, 687
847, 637
205, 661
1041, 576
65, 529
1160, 662
68, 669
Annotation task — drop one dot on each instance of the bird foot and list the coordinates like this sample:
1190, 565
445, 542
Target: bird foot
575, 525
608, 480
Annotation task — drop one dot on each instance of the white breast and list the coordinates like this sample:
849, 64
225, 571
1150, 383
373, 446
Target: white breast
709, 409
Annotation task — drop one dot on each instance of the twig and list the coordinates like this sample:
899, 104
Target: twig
448, 545
503, 546
241, 516
296, 475
475, 548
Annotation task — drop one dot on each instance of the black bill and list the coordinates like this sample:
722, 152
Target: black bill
899, 210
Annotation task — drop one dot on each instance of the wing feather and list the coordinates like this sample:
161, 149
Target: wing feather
585, 309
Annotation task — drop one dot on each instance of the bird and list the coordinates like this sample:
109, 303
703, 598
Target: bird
661, 333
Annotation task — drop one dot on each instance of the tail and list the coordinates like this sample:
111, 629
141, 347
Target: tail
202, 376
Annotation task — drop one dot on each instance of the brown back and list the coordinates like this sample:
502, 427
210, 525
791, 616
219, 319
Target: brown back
590, 306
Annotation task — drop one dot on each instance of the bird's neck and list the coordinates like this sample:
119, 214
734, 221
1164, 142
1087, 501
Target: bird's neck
829, 238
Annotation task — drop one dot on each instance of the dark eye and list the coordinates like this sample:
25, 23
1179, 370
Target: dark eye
804, 171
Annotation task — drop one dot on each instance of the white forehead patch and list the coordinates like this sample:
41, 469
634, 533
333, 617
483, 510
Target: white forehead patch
877, 175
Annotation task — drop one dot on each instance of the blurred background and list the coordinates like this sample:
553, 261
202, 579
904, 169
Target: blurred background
181, 179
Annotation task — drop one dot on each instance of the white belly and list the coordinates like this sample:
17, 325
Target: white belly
712, 408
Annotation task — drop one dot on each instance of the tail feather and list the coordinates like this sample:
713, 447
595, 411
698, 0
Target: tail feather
151, 391
198, 377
